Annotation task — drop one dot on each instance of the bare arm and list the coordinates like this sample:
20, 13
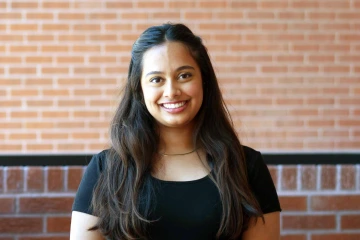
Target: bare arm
270, 230
80, 223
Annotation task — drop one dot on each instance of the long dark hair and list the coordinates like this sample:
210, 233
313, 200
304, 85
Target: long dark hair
123, 195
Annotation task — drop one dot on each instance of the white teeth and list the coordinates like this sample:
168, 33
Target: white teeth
174, 105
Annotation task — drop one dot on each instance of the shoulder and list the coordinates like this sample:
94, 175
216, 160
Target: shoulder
250, 152
88, 182
252, 157
255, 164
98, 160
260, 181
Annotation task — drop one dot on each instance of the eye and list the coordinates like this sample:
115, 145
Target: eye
155, 80
185, 75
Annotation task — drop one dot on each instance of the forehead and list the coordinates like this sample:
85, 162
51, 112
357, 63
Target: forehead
167, 57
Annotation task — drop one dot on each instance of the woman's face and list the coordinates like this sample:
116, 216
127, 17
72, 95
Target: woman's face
171, 84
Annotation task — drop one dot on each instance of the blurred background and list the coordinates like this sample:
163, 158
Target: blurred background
289, 71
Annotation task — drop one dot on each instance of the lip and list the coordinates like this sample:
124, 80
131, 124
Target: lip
174, 110
173, 102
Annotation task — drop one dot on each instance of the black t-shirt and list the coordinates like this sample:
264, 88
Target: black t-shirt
189, 210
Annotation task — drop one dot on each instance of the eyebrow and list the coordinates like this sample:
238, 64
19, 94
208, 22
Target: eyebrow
178, 69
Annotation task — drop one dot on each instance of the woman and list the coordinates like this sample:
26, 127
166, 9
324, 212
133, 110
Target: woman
175, 168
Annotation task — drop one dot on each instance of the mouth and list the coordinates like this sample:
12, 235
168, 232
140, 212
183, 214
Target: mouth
173, 105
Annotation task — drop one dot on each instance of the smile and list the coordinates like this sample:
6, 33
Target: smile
173, 105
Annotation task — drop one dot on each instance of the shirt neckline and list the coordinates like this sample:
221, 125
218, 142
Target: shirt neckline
182, 182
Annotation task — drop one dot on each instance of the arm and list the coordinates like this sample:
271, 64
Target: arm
82, 218
80, 223
265, 192
270, 230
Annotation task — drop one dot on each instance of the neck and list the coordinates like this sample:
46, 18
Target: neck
176, 140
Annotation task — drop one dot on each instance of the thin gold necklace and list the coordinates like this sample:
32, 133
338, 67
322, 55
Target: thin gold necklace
178, 154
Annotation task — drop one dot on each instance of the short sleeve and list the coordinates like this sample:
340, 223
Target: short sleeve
84, 193
261, 182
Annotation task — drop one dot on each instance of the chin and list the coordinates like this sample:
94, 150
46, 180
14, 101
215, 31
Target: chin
173, 124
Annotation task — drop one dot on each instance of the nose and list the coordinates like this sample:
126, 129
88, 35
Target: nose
171, 89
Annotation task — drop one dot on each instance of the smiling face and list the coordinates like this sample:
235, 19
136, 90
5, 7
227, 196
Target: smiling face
171, 84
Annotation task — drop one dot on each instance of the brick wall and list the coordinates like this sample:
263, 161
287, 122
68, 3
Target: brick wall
289, 71
318, 202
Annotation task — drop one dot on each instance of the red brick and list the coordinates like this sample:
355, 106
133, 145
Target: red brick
74, 177
274, 69
321, 58
289, 178
242, 26
45, 204
336, 202
273, 4
15, 179
182, 4
40, 38
260, 15
212, 26
348, 144
336, 236
166, 15
151, 4
305, 112
21, 225
243, 4
198, 15
45, 238
328, 177
35, 179
86, 70
288, 15
55, 179
24, 4
58, 4
335, 4
350, 222
118, 27
212, 4
308, 222
305, 4
58, 224
121, 5
324, 123
335, 47
7, 205
273, 26
293, 203
308, 177
71, 16
294, 237
289, 58
348, 174
304, 69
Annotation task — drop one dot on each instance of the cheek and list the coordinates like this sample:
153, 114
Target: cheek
196, 90
151, 96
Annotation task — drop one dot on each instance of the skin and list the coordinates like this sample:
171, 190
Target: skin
171, 75
80, 222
